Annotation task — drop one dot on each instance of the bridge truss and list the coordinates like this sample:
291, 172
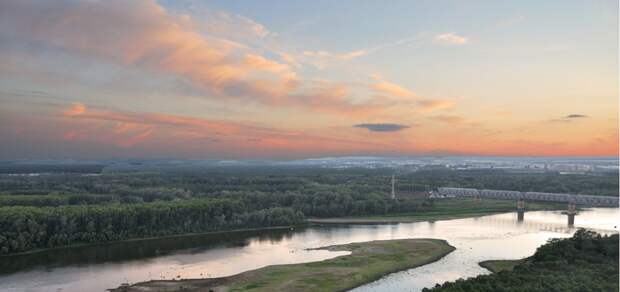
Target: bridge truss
531, 196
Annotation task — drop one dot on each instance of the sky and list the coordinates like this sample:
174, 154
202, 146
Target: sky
294, 79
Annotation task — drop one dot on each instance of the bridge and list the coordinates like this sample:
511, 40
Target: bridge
571, 199
531, 196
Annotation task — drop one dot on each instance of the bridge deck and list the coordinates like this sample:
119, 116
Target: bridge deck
532, 196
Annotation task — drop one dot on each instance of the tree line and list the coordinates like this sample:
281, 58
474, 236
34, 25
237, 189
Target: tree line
27, 228
172, 185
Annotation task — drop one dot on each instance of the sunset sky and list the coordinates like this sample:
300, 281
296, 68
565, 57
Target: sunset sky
293, 79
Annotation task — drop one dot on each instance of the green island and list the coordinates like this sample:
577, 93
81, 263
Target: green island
368, 261
585, 262
443, 209
497, 266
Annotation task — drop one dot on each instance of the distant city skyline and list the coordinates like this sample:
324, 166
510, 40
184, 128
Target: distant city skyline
291, 79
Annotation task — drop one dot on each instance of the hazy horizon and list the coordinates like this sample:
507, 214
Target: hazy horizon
353, 157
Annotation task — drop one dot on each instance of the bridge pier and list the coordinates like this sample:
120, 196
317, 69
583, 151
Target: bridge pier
572, 211
520, 210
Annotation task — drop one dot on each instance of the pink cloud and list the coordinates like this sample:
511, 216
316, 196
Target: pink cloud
430, 105
75, 109
143, 33
392, 90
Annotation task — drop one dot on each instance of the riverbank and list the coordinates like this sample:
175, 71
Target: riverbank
444, 209
367, 262
138, 239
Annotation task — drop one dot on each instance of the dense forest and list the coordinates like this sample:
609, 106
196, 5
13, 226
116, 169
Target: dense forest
26, 228
56, 209
585, 262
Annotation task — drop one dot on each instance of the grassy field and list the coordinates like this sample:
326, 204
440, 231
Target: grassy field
500, 265
367, 262
445, 209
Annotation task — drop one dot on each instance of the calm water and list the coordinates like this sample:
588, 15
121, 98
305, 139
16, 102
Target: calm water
97, 268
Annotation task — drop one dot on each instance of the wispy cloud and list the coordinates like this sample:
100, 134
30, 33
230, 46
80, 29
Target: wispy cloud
80, 123
451, 38
392, 90
145, 35
322, 59
430, 105
227, 25
452, 119
382, 127
401, 97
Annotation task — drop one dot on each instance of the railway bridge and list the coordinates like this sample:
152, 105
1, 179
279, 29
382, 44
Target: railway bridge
571, 199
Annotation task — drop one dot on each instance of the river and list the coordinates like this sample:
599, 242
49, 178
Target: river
96, 268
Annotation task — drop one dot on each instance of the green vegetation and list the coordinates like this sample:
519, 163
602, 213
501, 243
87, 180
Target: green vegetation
367, 262
496, 266
27, 228
585, 262
74, 208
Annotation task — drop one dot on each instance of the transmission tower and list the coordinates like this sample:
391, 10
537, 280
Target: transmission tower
393, 192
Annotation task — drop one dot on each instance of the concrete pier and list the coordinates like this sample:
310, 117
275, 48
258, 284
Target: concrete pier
520, 210
572, 211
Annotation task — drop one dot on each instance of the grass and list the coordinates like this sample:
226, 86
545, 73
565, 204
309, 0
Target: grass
367, 262
446, 209
496, 266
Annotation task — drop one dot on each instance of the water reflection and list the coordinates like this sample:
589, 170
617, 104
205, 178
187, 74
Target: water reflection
138, 249
502, 236
476, 239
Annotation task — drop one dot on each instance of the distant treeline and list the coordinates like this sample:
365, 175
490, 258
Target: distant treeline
585, 262
26, 228
36, 168
170, 185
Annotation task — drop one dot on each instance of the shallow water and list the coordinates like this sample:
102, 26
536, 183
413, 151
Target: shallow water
97, 268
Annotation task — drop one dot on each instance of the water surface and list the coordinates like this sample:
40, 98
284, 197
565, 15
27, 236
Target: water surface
96, 268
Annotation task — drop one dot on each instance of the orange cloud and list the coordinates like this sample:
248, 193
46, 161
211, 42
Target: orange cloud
100, 132
128, 129
430, 105
133, 140
143, 34
75, 109
392, 90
